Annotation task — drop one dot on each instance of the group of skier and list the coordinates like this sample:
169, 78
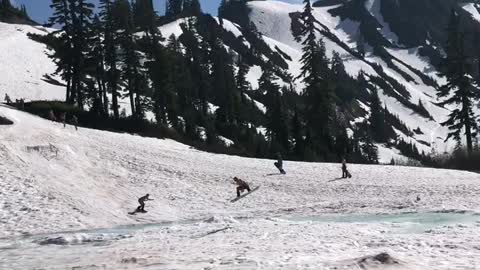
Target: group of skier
243, 185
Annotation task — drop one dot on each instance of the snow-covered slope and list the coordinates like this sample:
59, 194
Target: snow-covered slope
273, 19
58, 186
23, 64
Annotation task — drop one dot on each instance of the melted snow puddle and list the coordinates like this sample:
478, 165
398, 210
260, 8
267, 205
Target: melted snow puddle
405, 222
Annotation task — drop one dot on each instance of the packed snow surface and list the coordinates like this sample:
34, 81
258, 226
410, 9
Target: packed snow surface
65, 195
23, 64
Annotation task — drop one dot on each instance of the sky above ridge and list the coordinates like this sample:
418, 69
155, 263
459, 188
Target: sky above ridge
39, 10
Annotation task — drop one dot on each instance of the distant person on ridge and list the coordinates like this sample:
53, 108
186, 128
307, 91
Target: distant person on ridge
279, 164
241, 185
7, 99
141, 201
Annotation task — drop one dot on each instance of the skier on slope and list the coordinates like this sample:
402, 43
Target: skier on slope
141, 201
241, 185
279, 163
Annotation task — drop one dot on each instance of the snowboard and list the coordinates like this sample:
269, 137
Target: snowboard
242, 196
137, 211
349, 175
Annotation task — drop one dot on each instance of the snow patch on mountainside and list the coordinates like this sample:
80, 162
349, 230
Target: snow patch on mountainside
472, 9
373, 6
272, 18
23, 64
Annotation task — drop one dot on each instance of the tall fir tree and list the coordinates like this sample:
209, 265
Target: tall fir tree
6, 4
62, 17
96, 66
242, 84
131, 70
458, 90
318, 94
111, 54
145, 17
173, 8
192, 8
276, 117
377, 117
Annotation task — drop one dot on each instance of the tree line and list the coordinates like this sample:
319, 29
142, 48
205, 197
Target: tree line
198, 87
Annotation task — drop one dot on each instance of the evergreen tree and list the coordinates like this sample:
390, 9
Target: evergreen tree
344, 85
369, 150
459, 89
173, 8
62, 17
277, 122
377, 117
81, 13
131, 70
221, 8
318, 94
111, 56
192, 8
96, 66
223, 82
297, 134
145, 17
74, 17
241, 79
6, 4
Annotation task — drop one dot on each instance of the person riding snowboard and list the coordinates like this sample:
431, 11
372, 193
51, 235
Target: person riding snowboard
141, 201
241, 185
279, 164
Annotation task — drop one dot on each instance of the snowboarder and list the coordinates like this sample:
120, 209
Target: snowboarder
345, 172
418, 198
241, 185
75, 121
141, 201
7, 99
279, 164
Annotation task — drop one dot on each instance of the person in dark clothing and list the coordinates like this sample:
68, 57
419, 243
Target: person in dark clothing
141, 201
241, 185
7, 99
345, 172
279, 163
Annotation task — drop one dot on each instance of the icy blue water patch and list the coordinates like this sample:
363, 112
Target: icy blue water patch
410, 222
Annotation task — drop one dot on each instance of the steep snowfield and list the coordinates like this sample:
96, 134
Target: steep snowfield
59, 186
23, 63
